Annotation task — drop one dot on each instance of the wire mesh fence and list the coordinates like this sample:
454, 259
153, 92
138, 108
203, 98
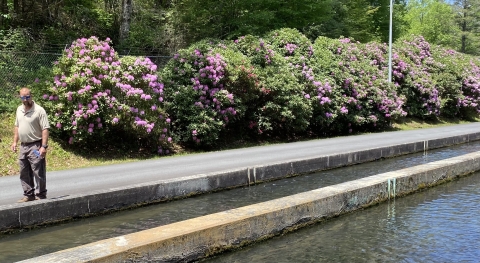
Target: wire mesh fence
19, 69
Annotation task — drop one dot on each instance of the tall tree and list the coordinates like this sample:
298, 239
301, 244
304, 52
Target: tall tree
434, 20
468, 19
3, 14
228, 19
127, 9
363, 20
381, 19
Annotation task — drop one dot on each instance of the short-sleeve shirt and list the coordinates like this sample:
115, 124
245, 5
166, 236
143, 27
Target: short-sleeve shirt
31, 123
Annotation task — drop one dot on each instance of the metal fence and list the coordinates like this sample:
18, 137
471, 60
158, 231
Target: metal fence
22, 68
19, 69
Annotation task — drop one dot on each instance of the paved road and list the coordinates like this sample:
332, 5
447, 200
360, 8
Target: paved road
85, 180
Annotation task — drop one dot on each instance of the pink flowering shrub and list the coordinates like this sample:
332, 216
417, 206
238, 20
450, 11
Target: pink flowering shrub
283, 107
94, 93
448, 73
364, 97
411, 72
291, 44
316, 90
458, 77
208, 88
469, 103
279, 85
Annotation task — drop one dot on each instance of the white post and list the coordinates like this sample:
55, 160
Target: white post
390, 44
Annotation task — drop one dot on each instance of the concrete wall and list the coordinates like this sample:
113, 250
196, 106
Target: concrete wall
203, 236
48, 211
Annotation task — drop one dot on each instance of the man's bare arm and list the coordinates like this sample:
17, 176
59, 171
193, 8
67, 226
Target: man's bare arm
15, 139
43, 151
45, 137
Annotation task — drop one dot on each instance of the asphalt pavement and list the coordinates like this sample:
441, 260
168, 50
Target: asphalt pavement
103, 178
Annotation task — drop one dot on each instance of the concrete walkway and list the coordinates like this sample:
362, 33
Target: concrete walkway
109, 182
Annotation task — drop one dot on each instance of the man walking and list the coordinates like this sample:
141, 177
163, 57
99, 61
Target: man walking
31, 128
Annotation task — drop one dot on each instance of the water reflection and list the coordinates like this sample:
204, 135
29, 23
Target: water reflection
441, 224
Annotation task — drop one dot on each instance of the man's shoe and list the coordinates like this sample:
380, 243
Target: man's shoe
26, 199
40, 197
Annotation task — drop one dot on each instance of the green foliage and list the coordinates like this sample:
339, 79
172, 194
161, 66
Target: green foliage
434, 20
230, 19
149, 31
360, 20
286, 111
14, 39
19, 66
166, 26
8, 103
467, 18
8, 159
291, 44
78, 21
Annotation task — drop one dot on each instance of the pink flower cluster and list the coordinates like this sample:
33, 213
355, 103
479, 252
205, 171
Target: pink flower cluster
411, 65
99, 90
208, 84
290, 48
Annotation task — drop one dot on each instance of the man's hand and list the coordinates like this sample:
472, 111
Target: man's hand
14, 147
43, 152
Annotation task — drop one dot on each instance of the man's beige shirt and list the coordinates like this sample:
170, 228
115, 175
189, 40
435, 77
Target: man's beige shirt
31, 123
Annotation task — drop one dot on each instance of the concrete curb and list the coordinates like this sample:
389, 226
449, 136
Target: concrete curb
196, 238
49, 211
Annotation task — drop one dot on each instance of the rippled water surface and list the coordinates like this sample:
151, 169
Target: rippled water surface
41, 241
441, 224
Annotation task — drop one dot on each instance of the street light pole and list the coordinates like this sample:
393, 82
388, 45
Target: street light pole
390, 44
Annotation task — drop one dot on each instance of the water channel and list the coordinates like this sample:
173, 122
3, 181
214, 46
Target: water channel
39, 241
440, 224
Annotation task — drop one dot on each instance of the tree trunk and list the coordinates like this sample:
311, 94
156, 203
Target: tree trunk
3, 13
16, 7
45, 8
464, 28
127, 9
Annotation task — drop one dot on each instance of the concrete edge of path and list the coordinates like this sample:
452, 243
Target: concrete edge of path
16, 216
204, 236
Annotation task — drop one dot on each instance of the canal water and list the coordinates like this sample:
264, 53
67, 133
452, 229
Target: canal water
39, 241
440, 224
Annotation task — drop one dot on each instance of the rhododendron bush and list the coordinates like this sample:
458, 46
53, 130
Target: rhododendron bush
278, 85
412, 73
366, 99
208, 87
94, 93
283, 107
458, 76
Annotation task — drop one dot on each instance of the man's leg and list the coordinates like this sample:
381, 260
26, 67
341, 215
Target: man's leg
40, 172
26, 178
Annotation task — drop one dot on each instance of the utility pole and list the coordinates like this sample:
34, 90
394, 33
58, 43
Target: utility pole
390, 43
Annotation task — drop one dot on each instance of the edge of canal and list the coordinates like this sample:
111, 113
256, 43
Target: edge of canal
204, 236
50, 211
